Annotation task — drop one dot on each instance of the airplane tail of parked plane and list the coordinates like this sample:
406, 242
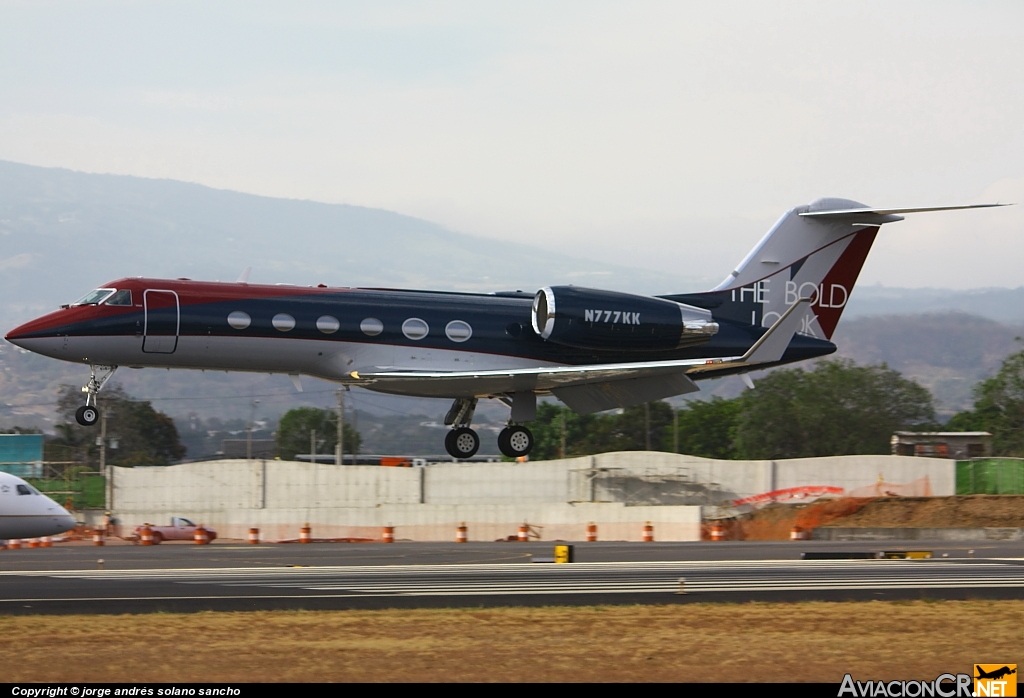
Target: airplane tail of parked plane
814, 251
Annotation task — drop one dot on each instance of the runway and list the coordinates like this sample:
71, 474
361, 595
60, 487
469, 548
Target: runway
193, 578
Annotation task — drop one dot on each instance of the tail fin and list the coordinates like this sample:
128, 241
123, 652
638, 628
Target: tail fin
814, 251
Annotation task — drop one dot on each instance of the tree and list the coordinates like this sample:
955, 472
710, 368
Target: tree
998, 408
144, 436
599, 433
707, 428
296, 426
837, 408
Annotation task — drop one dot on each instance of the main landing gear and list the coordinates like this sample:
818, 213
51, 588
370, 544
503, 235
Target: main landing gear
88, 414
515, 441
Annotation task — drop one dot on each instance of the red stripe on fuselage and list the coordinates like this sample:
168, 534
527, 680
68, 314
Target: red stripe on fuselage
189, 293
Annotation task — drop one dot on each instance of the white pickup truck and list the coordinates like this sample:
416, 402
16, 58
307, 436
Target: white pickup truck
180, 529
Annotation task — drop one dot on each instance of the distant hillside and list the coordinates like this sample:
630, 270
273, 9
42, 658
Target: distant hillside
62, 233
946, 352
1005, 305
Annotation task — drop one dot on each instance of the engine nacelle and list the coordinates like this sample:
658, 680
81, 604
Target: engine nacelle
588, 318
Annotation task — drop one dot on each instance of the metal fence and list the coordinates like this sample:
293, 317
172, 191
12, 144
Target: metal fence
990, 476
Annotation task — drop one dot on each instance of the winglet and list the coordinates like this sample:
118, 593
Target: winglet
773, 343
243, 278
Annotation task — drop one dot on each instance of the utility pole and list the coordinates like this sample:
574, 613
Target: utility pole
339, 449
312, 445
108, 484
102, 440
647, 426
561, 450
248, 438
675, 430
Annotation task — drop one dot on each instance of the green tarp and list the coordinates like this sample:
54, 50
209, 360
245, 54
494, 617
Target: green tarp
990, 476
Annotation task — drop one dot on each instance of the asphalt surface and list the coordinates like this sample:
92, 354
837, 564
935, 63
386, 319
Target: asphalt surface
225, 576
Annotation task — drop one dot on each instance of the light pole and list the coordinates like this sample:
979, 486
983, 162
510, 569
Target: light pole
248, 440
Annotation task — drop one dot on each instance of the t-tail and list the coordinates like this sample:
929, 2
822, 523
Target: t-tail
815, 252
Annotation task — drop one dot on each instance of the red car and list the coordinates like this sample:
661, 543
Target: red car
180, 529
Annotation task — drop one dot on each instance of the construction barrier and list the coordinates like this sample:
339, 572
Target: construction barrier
718, 532
201, 537
798, 533
254, 536
389, 534
591, 532
524, 533
14, 544
146, 535
33, 542
461, 533
97, 537
648, 533
305, 534
46, 542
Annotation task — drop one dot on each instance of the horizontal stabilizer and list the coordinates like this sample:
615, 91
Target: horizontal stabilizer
773, 343
847, 212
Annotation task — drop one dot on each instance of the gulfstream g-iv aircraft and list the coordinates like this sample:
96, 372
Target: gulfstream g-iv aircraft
592, 349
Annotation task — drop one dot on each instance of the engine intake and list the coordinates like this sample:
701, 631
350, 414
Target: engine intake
593, 319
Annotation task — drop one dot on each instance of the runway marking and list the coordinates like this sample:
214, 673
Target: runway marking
660, 577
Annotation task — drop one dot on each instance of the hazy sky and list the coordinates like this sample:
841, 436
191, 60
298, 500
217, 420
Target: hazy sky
661, 135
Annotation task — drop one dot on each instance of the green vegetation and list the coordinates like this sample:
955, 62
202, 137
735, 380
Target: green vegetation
143, 436
998, 408
296, 427
836, 408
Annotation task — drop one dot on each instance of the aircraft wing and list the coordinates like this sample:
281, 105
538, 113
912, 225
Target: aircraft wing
589, 388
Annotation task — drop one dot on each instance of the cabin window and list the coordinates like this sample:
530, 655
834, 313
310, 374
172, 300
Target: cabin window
415, 328
371, 326
23, 489
458, 331
328, 324
95, 297
122, 297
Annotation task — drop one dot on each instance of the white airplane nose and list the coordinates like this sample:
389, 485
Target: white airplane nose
66, 522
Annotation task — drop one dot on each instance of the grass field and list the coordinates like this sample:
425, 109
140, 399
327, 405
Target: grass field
813, 641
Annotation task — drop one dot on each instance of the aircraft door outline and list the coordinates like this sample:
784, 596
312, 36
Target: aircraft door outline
161, 325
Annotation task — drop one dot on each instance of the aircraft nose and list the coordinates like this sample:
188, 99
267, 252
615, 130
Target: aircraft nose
41, 327
66, 522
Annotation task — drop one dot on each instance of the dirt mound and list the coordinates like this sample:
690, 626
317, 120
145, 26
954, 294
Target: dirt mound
966, 511
774, 522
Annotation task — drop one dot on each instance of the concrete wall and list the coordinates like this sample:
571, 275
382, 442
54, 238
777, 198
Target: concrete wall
618, 491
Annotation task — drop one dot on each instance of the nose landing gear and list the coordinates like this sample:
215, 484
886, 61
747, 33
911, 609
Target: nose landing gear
88, 414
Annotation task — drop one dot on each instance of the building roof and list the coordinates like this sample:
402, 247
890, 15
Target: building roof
944, 434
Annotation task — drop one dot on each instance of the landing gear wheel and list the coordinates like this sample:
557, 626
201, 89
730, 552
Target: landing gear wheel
86, 415
462, 443
515, 442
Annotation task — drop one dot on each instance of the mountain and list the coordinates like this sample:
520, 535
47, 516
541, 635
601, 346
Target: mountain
1005, 305
948, 353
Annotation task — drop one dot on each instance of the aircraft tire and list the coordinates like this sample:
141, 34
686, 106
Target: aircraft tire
87, 415
462, 443
515, 441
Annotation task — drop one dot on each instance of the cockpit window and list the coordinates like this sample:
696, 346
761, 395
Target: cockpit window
95, 297
24, 489
122, 297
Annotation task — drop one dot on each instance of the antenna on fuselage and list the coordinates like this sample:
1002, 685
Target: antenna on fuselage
243, 278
